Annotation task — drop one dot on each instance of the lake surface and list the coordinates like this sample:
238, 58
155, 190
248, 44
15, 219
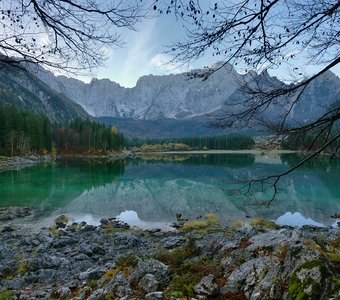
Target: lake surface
149, 191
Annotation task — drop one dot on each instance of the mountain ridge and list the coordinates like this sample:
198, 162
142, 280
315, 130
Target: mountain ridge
22, 89
185, 95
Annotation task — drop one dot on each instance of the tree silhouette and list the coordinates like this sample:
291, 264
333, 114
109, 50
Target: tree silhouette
67, 34
265, 34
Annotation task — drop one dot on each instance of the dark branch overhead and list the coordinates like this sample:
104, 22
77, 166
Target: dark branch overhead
264, 34
69, 35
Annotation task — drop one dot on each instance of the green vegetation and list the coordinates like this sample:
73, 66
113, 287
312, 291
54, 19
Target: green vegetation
22, 132
84, 135
188, 268
306, 281
221, 142
6, 295
310, 141
209, 222
264, 223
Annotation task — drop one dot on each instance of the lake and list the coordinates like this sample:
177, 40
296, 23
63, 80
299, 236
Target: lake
149, 191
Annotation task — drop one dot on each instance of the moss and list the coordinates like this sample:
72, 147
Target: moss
331, 255
176, 257
53, 230
237, 225
308, 287
6, 295
264, 223
212, 219
110, 273
181, 285
23, 267
130, 260
92, 283
62, 218
188, 268
9, 276
195, 224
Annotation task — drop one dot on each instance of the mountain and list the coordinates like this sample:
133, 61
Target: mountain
24, 90
162, 106
179, 96
188, 96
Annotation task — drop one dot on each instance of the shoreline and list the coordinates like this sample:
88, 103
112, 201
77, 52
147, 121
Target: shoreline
112, 261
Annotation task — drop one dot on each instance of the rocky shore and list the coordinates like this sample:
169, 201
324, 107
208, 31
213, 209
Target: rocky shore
20, 162
113, 261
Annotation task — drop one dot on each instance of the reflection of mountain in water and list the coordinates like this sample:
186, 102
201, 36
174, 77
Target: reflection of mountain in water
154, 199
158, 190
312, 190
159, 187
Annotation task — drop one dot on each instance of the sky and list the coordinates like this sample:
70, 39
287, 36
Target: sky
144, 53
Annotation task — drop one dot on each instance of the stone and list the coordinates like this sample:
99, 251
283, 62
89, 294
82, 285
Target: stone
172, 242
7, 229
104, 221
155, 296
228, 288
64, 292
250, 273
151, 266
148, 283
97, 295
118, 285
206, 286
127, 240
269, 239
92, 274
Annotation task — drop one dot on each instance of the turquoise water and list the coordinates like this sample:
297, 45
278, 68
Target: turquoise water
149, 191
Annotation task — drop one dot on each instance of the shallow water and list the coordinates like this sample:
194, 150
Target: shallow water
148, 192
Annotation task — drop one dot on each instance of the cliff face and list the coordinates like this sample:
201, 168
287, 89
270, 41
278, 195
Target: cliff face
187, 95
24, 90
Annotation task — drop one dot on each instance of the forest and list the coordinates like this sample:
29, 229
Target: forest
22, 132
220, 142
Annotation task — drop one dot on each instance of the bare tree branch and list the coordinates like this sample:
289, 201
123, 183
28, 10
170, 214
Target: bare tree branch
72, 35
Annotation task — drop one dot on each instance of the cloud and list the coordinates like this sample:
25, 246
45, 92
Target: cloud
138, 51
163, 62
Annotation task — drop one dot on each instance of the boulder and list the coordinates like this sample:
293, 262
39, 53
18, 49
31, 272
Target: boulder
207, 287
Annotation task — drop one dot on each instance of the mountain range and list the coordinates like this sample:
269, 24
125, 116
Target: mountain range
169, 105
24, 90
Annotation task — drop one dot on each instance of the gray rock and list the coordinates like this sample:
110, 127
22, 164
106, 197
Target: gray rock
85, 248
46, 261
155, 296
250, 273
98, 295
206, 286
148, 283
228, 288
91, 274
127, 240
118, 285
46, 275
172, 242
151, 266
64, 292
7, 229
269, 239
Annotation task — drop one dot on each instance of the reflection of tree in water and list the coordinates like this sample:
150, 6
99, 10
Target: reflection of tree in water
325, 168
53, 185
320, 163
220, 160
92, 173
